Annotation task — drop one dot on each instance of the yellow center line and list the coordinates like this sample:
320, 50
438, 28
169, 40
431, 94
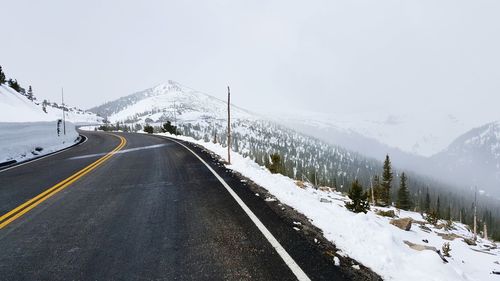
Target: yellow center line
32, 203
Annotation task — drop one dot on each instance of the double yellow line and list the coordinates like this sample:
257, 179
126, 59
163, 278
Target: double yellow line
32, 203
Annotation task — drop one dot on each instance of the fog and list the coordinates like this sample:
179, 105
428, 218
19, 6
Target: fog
315, 55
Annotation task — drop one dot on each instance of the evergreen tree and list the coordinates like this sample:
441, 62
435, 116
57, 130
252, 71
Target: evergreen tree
427, 202
358, 198
438, 209
148, 129
30, 94
386, 182
14, 85
447, 215
377, 190
169, 128
44, 105
403, 194
2, 76
276, 165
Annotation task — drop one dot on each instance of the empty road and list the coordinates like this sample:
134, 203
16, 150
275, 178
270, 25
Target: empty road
141, 207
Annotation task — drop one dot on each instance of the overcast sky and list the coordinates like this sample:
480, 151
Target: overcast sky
307, 55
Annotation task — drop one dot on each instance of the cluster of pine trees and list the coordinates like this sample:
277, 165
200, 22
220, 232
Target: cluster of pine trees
166, 127
379, 192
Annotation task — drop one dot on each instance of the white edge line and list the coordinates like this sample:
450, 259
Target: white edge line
45, 156
299, 273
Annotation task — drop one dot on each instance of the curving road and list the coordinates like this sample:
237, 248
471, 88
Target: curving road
151, 211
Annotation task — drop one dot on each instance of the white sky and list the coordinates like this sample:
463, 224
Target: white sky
350, 56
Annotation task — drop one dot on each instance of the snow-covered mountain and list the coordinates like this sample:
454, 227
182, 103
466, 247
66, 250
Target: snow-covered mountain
474, 158
169, 101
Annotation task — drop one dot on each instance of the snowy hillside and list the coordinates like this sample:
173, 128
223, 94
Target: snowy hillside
17, 108
474, 157
392, 252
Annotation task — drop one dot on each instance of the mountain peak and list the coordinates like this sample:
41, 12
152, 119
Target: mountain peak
170, 85
168, 101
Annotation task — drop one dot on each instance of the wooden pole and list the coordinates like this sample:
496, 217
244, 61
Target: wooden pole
64, 113
228, 125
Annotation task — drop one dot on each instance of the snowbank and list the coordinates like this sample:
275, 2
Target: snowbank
369, 238
24, 140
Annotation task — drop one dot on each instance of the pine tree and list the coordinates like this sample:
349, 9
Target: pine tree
386, 182
44, 105
14, 85
438, 209
403, 194
427, 202
30, 94
447, 215
2, 76
377, 190
148, 129
358, 198
169, 128
276, 165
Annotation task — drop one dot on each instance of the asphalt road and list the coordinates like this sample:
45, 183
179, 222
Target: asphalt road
152, 211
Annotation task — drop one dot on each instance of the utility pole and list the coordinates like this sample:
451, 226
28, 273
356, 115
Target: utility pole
64, 113
228, 125
475, 214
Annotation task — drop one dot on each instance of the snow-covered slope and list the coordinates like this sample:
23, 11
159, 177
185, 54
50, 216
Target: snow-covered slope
474, 157
16, 108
